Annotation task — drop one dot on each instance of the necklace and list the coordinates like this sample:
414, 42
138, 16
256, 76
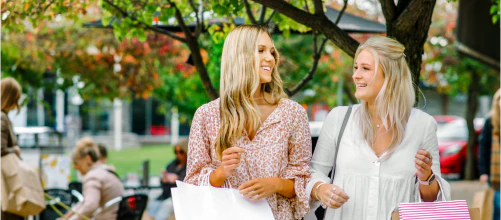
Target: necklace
265, 99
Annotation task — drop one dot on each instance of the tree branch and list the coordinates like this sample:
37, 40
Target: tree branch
319, 23
388, 7
316, 58
198, 15
341, 12
46, 7
411, 14
180, 20
269, 18
263, 13
347, 91
319, 7
150, 27
248, 9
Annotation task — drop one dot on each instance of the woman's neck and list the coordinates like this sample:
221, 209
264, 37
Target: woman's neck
372, 111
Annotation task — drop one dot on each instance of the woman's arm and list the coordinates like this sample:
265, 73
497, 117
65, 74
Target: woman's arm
5, 130
199, 163
433, 192
92, 196
323, 157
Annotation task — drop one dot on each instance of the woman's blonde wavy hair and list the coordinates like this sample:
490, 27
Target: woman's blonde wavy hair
396, 98
239, 82
495, 111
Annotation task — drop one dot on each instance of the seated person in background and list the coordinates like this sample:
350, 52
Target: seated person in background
100, 184
162, 207
104, 156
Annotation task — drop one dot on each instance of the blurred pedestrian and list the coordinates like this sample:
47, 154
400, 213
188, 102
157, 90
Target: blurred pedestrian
11, 93
162, 207
489, 152
100, 184
389, 151
103, 156
253, 138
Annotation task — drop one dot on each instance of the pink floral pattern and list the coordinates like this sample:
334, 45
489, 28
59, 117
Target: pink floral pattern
280, 148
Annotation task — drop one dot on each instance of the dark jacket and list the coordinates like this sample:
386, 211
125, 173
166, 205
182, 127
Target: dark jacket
180, 172
485, 148
9, 139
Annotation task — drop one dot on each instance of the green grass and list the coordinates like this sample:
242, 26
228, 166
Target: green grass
130, 160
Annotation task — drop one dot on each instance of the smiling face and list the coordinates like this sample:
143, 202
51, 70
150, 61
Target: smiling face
267, 61
368, 83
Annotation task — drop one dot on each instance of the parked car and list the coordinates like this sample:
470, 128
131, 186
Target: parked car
452, 145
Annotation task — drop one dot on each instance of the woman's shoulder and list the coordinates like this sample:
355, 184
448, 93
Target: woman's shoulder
291, 104
209, 108
4, 116
340, 111
420, 120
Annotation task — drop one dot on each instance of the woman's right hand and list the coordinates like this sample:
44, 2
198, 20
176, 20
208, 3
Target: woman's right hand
18, 150
231, 160
332, 196
484, 178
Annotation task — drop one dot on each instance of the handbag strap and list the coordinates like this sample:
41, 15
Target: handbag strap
340, 136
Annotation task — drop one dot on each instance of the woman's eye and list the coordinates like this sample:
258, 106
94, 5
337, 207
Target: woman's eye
355, 67
260, 51
365, 68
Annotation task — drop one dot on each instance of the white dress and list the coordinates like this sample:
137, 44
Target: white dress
375, 187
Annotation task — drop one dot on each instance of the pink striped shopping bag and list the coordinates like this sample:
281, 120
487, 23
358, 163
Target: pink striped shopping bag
446, 210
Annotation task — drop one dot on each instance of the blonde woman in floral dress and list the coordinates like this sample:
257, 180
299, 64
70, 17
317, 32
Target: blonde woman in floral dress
252, 137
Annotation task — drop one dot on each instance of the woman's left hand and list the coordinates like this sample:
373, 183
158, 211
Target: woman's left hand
259, 188
423, 161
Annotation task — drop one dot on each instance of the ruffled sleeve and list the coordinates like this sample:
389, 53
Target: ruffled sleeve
298, 165
199, 159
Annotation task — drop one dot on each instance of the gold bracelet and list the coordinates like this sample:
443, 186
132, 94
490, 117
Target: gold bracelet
316, 190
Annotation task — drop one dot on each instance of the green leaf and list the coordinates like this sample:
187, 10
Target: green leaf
141, 35
493, 9
495, 19
220, 9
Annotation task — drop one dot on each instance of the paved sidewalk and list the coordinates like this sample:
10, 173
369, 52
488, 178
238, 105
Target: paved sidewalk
464, 190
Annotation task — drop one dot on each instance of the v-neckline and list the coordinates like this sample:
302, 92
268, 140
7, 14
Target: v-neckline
271, 119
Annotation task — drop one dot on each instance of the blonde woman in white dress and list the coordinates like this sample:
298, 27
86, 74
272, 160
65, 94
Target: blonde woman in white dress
389, 151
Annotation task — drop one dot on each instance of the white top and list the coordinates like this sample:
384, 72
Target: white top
375, 187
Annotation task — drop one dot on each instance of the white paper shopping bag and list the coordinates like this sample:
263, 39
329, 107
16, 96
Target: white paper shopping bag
207, 202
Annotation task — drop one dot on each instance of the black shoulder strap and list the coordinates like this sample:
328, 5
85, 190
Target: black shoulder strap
341, 131
112, 172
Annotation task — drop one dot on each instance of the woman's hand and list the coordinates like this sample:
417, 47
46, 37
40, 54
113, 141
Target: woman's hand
423, 161
18, 150
484, 178
332, 196
259, 188
230, 160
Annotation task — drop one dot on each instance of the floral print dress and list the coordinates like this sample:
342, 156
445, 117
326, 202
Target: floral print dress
280, 148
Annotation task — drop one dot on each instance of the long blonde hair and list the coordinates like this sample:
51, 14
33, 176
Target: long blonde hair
239, 82
11, 92
395, 100
495, 113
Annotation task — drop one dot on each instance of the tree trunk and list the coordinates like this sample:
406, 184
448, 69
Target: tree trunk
445, 103
201, 68
471, 110
408, 22
413, 35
